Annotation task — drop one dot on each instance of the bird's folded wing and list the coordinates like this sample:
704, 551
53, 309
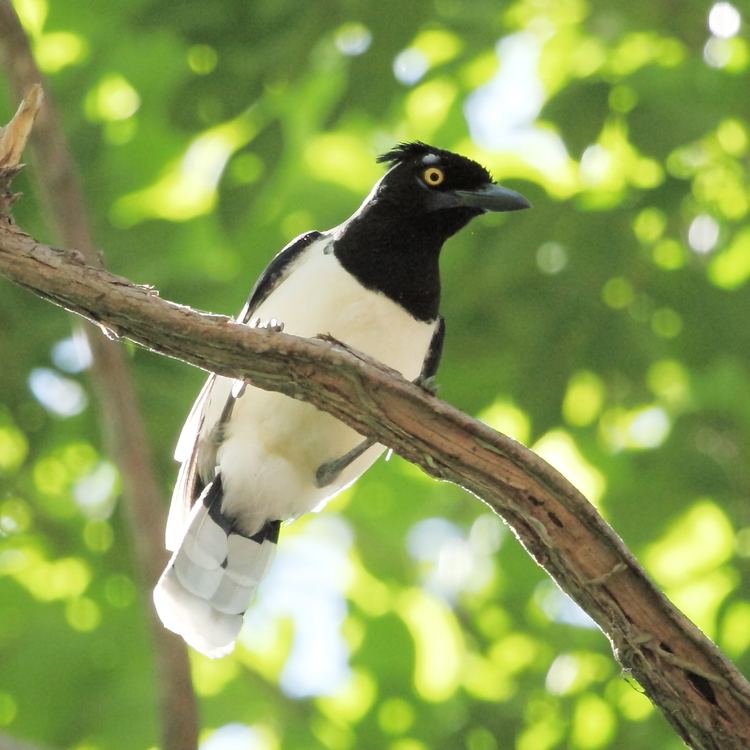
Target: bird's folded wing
189, 450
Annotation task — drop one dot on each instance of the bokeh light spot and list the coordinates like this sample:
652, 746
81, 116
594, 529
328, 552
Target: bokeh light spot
120, 590
14, 448
59, 395
583, 399
649, 224
703, 234
202, 59
696, 542
58, 50
551, 257
668, 254
395, 716
409, 66
594, 723
438, 644
353, 39
15, 516
504, 416
352, 702
724, 20
559, 449
730, 269
735, 628
618, 292
114, 98
83, 614
8, 709
666, 322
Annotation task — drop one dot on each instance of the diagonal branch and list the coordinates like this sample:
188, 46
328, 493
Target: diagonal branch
59, 188
701, 693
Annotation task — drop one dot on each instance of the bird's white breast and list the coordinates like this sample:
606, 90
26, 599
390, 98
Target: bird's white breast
320, 296
273, 444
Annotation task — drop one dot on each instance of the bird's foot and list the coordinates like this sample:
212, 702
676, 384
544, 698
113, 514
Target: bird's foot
271, 325
328, 472
428, 384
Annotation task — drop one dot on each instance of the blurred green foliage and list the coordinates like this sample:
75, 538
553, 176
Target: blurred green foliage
607, 328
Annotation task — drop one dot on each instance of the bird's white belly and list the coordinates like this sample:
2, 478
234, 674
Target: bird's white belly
273, 444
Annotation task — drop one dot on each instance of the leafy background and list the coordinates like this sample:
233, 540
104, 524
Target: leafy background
607, 328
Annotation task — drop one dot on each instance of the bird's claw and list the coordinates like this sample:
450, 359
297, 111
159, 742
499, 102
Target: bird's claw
428, 384
271, 325
328, 472
238, 389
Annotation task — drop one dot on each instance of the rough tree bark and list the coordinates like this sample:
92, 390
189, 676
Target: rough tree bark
700, 692
124, 432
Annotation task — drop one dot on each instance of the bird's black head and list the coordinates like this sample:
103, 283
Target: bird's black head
446, 188
392, 243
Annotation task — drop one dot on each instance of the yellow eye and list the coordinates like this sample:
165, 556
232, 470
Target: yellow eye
433, 176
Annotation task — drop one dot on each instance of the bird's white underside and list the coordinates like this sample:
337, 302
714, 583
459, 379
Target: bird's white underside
273, 444
270, 450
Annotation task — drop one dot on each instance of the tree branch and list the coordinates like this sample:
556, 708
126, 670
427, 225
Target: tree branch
698, 689
125, 435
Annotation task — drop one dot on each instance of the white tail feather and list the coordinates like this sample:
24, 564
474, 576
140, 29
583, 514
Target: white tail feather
210, 581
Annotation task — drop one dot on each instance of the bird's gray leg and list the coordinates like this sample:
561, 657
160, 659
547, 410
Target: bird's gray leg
428, 383
216, 436
238, 388
330, 470
426, 379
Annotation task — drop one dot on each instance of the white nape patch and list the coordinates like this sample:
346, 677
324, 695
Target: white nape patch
430, 159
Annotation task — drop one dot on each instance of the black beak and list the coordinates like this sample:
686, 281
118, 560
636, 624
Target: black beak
492, 197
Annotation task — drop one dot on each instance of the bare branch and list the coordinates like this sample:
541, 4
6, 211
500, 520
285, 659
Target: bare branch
60, 190
701, 693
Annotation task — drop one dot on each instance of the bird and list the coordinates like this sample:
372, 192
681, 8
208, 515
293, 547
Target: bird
254, 459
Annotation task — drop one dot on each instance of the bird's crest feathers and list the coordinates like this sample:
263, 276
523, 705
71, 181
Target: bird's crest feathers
416, 151
406, 152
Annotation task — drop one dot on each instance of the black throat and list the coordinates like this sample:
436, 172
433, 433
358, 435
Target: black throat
395, 252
